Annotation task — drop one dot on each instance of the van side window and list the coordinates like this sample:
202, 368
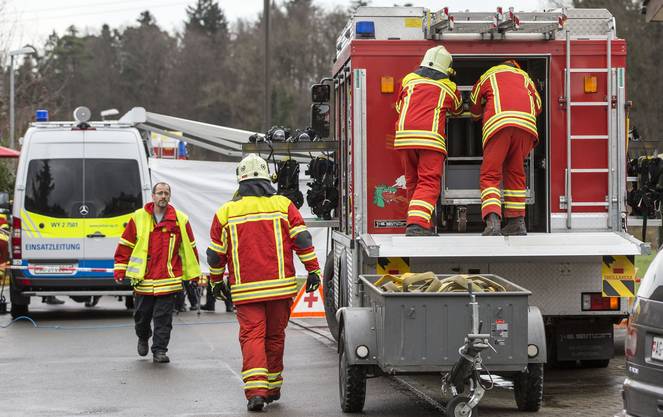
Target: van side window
60, 187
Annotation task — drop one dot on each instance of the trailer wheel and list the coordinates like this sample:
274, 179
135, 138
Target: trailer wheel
457, 407
351, 382
328, 293
528, 388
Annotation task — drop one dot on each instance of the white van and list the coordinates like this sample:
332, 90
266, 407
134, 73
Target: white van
77, 184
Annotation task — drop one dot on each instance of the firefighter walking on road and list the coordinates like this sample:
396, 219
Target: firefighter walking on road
255, 235
507, 98
425, 98
157, 251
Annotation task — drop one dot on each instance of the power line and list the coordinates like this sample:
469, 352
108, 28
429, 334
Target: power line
99, 12
84, 7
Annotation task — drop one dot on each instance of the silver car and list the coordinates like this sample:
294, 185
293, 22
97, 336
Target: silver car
643, 387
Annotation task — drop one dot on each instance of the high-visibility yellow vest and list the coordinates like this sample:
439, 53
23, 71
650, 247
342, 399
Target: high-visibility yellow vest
138, 260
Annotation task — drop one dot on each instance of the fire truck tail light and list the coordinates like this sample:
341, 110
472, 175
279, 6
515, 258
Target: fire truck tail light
365, 30
594, 301
591, 85
386, 84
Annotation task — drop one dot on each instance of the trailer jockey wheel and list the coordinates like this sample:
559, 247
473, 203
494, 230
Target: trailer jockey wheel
351, 381
457, 407
528, 388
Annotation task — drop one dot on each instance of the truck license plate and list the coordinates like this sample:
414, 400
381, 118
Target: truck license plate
657, 348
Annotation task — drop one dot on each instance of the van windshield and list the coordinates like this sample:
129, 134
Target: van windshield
77, 188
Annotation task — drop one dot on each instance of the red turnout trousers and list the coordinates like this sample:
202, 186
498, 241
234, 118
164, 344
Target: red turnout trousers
262, 338
503, 162
423, 174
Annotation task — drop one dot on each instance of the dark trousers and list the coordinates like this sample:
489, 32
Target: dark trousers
190, 291
211, 301
159, 309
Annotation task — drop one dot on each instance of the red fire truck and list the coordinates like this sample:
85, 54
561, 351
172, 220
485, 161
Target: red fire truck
577, 249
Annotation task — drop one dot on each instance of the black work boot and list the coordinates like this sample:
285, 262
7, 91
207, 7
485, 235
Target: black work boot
160, 357
493, 225
208, 307
143, 347
273, 397
515, 226
417, 230
255, 403
52, 300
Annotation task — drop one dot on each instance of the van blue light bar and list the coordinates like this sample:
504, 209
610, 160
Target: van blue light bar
365, 29
41, 115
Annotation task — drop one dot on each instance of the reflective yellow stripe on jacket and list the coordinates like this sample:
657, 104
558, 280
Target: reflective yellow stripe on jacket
138, 260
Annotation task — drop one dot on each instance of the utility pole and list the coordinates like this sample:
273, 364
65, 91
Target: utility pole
267, 123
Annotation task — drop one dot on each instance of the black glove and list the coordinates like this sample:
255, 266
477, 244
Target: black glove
221, 290
312, 282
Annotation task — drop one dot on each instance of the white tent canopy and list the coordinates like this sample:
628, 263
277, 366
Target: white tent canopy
199, 188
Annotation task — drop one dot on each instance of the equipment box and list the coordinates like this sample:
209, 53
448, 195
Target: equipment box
421, 332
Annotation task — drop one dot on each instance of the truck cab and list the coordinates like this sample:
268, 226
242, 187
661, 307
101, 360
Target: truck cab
77, 184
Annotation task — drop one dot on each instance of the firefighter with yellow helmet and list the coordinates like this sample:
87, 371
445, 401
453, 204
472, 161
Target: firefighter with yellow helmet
506, 100
426, 96
255, 235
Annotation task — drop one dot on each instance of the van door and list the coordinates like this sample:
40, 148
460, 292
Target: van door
113, 172
51, 223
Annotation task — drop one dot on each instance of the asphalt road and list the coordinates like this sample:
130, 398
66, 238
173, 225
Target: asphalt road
82, 361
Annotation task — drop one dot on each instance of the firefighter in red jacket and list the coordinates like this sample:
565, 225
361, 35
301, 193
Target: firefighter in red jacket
156, 251
255, 235
425, 98
509, 102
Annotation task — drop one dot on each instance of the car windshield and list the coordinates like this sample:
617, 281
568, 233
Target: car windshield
651, 286
77, 188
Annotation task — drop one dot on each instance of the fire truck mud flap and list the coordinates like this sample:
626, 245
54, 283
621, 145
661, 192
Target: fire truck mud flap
357, 326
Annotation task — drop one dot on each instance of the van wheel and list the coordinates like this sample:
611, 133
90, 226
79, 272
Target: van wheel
19, 303
18, 310
328, 293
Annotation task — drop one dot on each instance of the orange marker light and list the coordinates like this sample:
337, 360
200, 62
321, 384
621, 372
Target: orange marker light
614, 303
386, 84
591, 86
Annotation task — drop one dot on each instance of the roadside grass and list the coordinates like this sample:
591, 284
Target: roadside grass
642, 263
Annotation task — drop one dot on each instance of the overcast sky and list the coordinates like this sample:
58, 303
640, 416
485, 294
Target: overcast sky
31, 21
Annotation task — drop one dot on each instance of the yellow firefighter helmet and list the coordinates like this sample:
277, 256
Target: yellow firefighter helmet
437, 58
252, 167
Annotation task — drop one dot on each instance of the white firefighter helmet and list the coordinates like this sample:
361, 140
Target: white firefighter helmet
437, 58
252, 167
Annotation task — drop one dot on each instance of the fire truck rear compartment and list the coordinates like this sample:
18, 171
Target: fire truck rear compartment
459, 209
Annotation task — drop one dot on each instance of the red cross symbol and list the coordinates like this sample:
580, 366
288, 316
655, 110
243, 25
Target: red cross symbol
310, 299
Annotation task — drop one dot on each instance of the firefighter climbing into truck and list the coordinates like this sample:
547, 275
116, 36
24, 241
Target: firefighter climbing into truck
427, 94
